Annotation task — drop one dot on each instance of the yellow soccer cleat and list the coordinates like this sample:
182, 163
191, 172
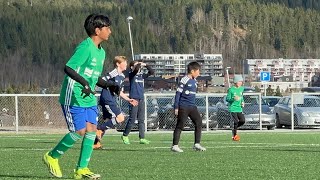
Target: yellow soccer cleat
53, 165
144, 141
85, 173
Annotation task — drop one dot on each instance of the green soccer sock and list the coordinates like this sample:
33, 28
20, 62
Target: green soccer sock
66, 142
86, 149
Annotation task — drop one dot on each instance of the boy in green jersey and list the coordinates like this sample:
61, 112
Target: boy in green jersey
236, 103
79, 105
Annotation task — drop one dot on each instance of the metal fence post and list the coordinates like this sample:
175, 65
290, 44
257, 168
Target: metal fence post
17, 113
260, 110
292, 113
207, 112
145, 113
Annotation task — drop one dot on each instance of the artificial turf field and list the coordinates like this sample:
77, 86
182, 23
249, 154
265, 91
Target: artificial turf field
259, 155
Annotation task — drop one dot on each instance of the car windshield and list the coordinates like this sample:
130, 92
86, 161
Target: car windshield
253, 100
310, 102
164, 101
214, 100
271, 101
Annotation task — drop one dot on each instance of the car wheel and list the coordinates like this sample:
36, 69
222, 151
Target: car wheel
278, 124
271, 127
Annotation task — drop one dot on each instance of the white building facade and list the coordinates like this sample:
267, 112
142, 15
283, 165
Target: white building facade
175, 64
285, 73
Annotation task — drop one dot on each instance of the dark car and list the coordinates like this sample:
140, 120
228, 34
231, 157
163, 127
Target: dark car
151, 114
251, 113
168, 120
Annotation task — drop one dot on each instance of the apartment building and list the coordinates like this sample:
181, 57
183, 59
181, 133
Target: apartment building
166, 65
300, 72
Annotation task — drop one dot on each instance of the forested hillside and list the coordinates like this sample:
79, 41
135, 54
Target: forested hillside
306, 4
37, 37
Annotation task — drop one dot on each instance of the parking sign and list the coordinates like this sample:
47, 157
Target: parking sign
264, 76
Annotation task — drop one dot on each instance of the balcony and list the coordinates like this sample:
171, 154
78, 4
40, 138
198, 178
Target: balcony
276, 62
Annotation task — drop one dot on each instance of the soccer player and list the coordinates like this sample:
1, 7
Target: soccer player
184, 107
236, 103
77, 99
136, 78
112, 114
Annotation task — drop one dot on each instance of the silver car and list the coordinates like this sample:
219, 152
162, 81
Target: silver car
271, 100
306, 112
251, 113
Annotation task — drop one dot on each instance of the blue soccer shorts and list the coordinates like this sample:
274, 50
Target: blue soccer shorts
77, 117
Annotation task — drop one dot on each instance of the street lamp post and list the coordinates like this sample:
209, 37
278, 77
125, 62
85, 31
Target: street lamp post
129, 19
228, 78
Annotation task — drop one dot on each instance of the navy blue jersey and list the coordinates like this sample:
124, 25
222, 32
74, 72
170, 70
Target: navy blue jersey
186, 93
106, 96
136, 78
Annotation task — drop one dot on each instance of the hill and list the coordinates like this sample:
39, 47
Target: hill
37, 37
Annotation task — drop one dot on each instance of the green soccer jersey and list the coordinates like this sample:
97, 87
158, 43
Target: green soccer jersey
235, 106
87, 61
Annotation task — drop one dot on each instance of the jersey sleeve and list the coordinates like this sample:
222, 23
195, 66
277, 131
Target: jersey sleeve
229, 97
242, 97
79, 57
178, 94
149, 73
107, 77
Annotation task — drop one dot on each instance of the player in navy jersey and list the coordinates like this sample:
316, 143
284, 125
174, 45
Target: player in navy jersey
184, 107
136, 78
112, 114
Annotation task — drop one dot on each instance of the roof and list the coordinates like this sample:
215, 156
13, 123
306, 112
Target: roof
271, 97
311, 89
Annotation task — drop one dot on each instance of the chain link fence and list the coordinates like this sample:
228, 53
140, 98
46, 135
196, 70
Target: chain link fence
42, 113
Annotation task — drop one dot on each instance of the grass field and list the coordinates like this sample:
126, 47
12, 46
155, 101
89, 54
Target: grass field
259, 155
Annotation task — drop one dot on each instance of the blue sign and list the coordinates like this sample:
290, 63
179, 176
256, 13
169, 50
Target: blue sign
265, 76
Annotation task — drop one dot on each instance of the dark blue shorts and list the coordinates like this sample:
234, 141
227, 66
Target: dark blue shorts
110, 111
77, 117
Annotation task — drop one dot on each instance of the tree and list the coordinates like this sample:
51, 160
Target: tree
257, 89
278, 92
270, 91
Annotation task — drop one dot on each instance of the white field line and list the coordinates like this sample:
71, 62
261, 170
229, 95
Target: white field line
223, 145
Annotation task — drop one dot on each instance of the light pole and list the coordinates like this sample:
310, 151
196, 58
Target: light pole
129, 19
228, 79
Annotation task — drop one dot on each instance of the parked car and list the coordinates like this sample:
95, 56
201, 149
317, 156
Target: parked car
167, 118
249, 89
306, 111
271, 100
251, 114
152, 114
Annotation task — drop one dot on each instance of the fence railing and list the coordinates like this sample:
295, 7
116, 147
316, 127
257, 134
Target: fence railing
42, 112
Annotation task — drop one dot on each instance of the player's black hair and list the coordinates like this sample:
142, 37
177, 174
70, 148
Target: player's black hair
94, 21
193, 66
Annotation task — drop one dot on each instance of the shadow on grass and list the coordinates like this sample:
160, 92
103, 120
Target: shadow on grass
29, 177
293, 150
24, 148
128, 150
